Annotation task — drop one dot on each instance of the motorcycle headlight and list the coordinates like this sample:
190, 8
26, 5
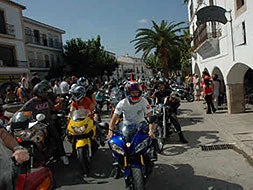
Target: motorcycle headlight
116, 148
142, 145
79, 130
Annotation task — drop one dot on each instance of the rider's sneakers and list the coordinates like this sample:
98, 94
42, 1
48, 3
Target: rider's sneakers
65, 160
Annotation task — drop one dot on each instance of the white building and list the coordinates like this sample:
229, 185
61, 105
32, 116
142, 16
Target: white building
129, 65
44, 46
13, 60
225, 48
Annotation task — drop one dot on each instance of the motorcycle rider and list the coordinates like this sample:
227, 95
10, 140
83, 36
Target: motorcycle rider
9, 147
44, 101
90, 93
81, 101
173, 104
134, 107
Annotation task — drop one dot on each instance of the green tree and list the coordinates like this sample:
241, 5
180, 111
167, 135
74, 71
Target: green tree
88, 58
161, 40
153, 62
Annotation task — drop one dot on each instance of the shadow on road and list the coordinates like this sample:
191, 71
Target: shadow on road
182, 176
100, 170
174, 147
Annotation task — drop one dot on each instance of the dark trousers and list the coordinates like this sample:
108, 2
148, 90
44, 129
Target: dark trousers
56, 140
174, 121
209, 102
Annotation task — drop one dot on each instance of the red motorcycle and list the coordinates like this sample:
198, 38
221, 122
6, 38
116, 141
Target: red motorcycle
27, 178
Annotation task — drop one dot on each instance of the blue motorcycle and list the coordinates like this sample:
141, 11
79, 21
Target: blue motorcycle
131, 146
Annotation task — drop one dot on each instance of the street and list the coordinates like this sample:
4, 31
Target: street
179, 167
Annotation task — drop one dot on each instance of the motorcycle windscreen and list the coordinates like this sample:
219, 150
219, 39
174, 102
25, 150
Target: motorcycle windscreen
80, 114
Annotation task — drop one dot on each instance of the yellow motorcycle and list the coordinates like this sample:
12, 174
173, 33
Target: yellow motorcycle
82, 130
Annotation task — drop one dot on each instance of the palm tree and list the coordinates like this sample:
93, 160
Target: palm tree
160, 39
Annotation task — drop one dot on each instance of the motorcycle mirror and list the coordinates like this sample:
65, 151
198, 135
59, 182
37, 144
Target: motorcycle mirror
40, 117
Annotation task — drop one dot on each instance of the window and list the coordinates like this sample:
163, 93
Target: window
36, 36
7, 55
239, 3
44, 38
50, 39
28, 35
2, 23
244, 32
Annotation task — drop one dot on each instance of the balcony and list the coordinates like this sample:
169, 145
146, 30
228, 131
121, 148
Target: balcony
45, 42
8, 29
19, 64
37, 63
206, 40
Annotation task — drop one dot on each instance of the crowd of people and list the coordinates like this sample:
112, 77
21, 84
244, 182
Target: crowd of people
46, 96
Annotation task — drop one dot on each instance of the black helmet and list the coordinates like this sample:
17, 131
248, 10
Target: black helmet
42, 90
20, 120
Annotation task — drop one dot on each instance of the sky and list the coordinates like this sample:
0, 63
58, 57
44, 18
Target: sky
116, 21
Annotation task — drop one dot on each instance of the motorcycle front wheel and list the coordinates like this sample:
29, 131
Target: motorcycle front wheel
83, 157
137, 180
160, 139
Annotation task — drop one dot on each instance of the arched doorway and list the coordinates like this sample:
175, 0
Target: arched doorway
248, 87
222, 96
235, 88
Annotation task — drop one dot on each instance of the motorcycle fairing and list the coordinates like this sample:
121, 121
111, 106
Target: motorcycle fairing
83, 142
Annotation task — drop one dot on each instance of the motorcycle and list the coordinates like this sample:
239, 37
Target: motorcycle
81, 131
102, 99
131, 147
115, 96
183, 92
27, 178
163, 125
32, 135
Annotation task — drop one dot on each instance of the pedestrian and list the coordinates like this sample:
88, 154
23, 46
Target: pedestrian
208, 95
64, 85
10, 96
190, 83
22, 92
34, 80
196, 87
56, 87
216, 90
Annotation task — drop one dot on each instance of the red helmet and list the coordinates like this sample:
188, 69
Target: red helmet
130, 87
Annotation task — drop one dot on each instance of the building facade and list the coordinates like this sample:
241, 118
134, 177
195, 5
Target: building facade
134, 66
13, 59
223, 46
44, 46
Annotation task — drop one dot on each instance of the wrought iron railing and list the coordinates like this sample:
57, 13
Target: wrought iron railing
39, 40
204, 32
7, 63
9, 29
38, 63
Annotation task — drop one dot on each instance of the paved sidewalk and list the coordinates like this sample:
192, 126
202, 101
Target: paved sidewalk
233, 128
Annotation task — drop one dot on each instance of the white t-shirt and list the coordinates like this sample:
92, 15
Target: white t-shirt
133, 113
57, 89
